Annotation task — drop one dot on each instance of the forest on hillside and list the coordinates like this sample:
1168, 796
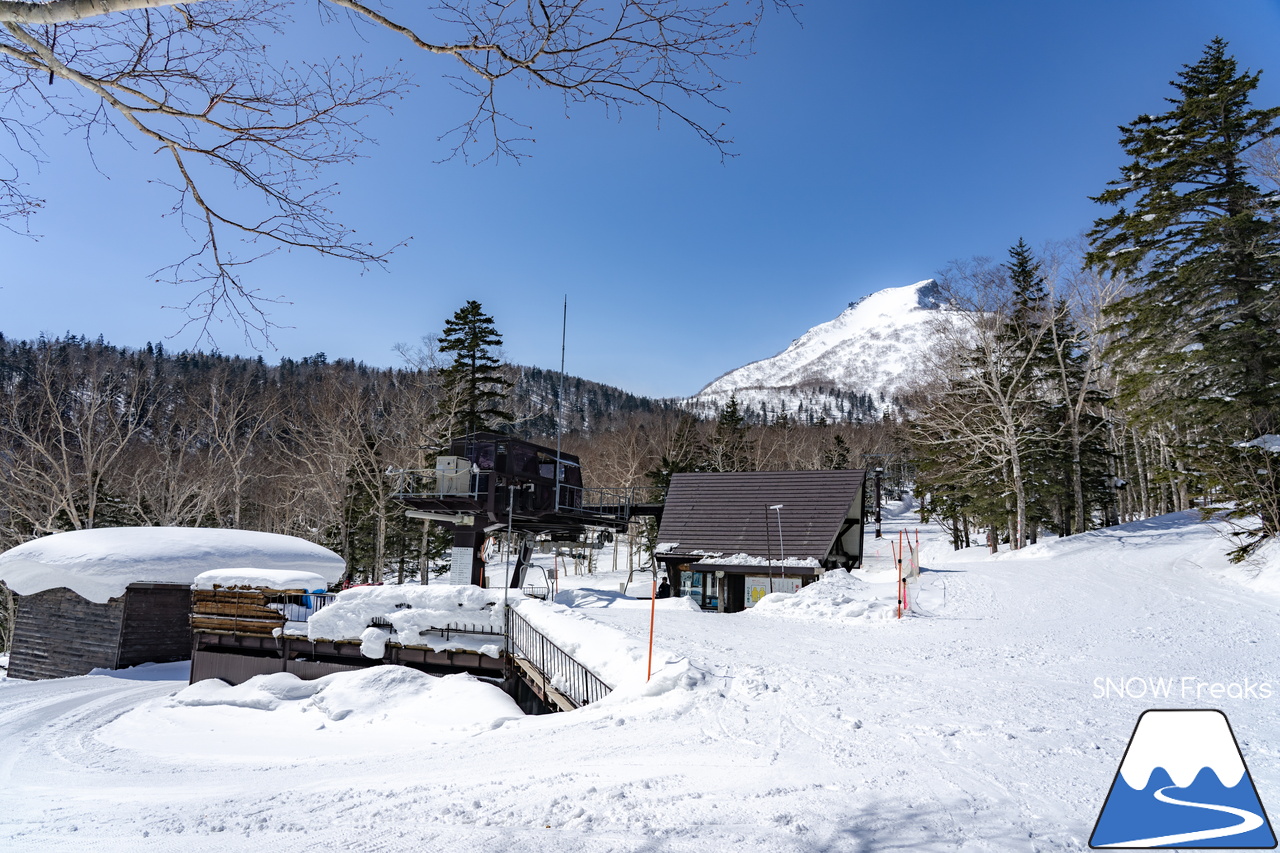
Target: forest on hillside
1139, 373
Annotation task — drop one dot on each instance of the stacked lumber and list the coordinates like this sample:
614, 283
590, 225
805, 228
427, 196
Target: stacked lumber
239, 610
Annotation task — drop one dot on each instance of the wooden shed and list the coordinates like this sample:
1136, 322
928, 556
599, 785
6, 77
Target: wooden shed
117, 597
148, 624
727, 539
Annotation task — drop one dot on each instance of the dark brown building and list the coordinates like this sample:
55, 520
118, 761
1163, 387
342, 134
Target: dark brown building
59, 633
116, 597
729, 538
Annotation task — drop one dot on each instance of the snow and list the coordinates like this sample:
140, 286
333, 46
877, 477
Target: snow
750, 560
620, 661
869, 348
837, 595
993, 718
261, 579
413, 611
380, 710
100, 564
1270, 443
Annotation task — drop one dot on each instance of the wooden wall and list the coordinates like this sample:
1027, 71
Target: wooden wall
58, 633
157, 626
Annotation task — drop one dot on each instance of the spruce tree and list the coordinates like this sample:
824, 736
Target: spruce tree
1201, 244
473, 386
729, 448
1200, 241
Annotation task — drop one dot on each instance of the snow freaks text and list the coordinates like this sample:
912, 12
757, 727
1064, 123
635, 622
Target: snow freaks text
1185, 687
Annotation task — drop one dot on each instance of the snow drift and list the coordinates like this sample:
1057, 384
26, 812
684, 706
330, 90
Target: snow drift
393, 693
412, 610
837, 595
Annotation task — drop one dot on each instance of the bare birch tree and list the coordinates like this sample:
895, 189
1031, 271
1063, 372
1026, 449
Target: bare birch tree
68, 423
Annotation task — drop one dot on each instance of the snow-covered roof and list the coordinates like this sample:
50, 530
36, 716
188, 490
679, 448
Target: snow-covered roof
261, 579
100, 564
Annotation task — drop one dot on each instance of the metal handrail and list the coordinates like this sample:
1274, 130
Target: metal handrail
579, 684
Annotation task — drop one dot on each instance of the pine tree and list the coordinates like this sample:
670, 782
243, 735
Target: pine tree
1201, 243
473, 386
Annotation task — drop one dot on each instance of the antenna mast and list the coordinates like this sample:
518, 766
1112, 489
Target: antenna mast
564, 328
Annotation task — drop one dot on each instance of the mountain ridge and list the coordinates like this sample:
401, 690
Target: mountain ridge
849, 368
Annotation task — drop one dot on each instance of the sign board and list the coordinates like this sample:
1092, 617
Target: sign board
757, 587
460, 566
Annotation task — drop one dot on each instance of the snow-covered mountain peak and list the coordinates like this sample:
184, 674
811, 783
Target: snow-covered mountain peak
865, 354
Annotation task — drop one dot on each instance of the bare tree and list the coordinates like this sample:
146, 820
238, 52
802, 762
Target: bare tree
983, 394
238, 417
192, 79
68, 423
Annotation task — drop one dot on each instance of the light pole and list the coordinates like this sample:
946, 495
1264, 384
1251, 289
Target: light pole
879, 471
782, 548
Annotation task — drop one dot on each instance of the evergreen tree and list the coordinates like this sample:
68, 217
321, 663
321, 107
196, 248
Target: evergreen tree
730, 449
473, 384
1201, 243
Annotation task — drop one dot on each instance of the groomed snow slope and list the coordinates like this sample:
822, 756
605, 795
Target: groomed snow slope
823, 727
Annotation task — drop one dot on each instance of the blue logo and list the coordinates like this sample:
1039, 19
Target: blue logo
1183, 783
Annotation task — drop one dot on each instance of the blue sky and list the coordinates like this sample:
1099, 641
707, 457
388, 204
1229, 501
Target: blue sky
875, 142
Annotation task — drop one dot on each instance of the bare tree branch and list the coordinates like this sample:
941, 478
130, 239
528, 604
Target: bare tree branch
194, 81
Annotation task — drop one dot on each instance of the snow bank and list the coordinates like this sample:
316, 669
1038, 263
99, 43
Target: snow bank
100, 564
261, 579
837, 595
588, 597
412, 610
458, 702
620, 661
1261, 571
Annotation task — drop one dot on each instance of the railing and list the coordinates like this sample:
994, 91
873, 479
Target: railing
429, 482
609, 502
445, 631
559, 669
299, 607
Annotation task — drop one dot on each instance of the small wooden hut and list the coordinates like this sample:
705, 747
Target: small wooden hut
727, 539
117, 597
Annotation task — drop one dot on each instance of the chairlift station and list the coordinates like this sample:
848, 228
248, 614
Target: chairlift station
489, 482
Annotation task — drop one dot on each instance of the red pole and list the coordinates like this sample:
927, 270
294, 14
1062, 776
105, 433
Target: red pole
653, 606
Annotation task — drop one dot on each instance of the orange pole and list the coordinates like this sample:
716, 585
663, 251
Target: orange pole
902, 552
897, 559
653, 606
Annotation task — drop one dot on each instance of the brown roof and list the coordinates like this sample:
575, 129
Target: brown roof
729, 513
